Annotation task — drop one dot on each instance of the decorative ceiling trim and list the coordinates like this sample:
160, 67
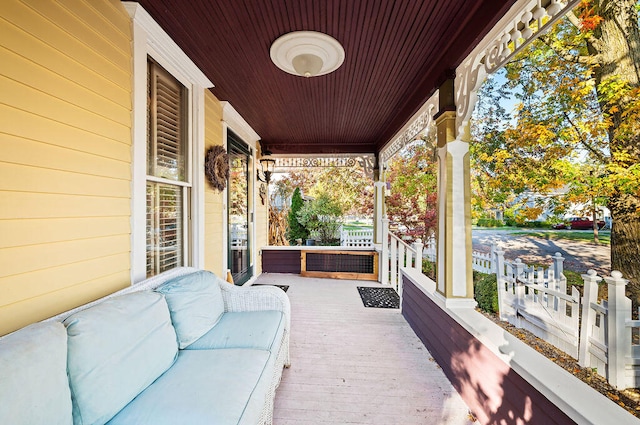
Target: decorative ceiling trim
420, 120
525, 21
285, 162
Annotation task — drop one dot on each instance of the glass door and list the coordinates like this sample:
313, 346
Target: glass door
238, 232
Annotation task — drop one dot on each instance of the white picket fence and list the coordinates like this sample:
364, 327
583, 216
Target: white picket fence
484, 262
607, 334
601, 335
536, 299
360, 238
430, 249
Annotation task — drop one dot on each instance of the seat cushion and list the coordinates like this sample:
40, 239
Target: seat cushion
33, 376
195, 302
115, 350
204, 387
246, 329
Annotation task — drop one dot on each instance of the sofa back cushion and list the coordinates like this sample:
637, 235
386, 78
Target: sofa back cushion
116, 349
195, 302
33, 376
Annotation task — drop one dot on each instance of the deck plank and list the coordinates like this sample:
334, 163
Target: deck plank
357, 365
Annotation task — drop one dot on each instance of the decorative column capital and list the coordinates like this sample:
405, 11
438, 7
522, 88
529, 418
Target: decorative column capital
446, 127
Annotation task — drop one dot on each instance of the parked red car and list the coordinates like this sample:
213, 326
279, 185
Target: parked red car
578, 223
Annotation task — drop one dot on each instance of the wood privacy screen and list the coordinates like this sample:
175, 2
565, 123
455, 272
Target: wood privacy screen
357, 265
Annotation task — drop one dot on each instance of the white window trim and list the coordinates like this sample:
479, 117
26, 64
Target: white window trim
149, 39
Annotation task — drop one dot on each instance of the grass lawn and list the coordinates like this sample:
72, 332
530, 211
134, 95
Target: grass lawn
603, 236
356, 225
492, 228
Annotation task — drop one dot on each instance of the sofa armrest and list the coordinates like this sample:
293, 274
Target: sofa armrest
253, 298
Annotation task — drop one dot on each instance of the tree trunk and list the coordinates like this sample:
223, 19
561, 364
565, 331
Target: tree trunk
617, 46
625, 240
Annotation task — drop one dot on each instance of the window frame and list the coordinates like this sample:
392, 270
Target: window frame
149, 40
182, 183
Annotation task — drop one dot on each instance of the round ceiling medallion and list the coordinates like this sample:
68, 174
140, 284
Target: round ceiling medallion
307, 53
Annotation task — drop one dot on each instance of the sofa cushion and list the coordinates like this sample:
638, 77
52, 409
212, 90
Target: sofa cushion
33, 376
205, 387
195, 302
115, 350
246, 329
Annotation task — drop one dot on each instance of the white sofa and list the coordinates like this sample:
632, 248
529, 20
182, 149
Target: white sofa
183, 347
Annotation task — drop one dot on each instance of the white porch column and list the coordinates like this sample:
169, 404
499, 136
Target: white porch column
378, 210
454, 276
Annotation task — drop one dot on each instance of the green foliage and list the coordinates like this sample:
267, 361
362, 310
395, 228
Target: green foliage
296, 230
573, 278
429, 269
536, 224
485, 291
489, 222
322, 215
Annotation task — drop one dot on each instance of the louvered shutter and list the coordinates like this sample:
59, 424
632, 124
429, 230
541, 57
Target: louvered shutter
166, 159
168, 125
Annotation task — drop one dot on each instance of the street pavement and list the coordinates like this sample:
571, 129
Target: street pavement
580, 256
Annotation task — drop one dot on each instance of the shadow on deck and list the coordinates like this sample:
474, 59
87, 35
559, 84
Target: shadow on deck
357, 365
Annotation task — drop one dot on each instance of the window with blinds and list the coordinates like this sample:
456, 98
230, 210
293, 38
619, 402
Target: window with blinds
168, 185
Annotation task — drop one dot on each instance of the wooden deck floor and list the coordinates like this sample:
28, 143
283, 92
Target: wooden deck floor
357, 365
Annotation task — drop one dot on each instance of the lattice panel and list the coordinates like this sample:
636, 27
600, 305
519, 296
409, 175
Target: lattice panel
359, 265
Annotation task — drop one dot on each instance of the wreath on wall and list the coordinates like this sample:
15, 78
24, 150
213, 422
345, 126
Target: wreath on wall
216, 167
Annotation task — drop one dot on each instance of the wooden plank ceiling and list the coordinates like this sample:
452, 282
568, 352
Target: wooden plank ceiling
396, 55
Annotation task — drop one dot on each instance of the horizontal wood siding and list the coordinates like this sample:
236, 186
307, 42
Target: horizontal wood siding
214, 246
281, 261
65, 155
492, 390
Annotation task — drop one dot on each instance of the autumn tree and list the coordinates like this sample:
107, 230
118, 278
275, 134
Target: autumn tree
578, 118
412, 175
350, 187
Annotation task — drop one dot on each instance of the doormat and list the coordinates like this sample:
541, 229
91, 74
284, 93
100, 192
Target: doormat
379, 297
283, 287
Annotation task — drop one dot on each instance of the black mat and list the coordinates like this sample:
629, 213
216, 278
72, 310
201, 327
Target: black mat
283, 287
379, 297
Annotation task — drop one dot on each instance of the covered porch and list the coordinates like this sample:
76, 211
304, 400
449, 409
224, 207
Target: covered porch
79, 229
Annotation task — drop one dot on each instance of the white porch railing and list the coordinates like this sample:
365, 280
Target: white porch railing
395, 255
606, 337
536, 299
361, 238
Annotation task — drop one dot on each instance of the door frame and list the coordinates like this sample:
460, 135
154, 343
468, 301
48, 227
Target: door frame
235, 142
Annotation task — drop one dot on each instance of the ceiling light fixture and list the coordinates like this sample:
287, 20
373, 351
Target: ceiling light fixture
307, 53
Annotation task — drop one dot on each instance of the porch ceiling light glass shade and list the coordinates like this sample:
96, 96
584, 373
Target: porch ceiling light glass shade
307, 53
268, 164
